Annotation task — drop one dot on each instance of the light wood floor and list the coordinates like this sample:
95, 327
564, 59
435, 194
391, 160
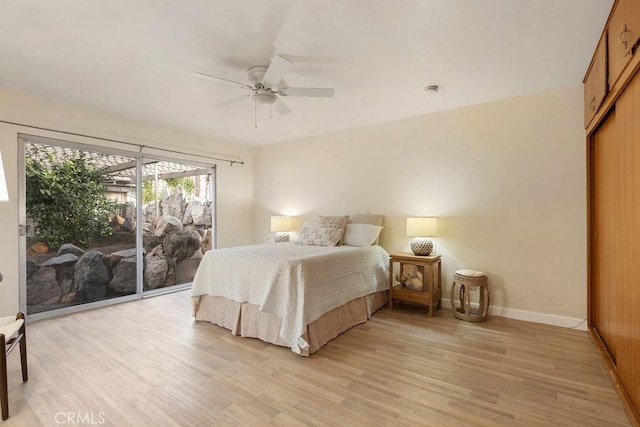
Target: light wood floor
148, 363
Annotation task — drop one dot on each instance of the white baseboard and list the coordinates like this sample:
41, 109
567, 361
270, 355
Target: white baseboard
532, 316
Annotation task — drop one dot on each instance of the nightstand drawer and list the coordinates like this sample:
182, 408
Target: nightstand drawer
404, 294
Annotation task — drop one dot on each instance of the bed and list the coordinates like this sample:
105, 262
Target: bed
295, 294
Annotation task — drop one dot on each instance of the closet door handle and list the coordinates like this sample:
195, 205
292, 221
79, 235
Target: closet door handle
592, 104
623, 36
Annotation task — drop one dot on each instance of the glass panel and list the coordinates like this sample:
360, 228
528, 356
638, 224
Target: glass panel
81, 226
177, 225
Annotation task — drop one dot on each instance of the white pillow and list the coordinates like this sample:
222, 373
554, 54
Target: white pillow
361, 234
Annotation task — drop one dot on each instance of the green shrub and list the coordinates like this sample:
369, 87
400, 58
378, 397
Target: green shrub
67, 199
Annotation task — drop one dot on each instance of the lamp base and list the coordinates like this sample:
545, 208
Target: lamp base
281, 237
421, 246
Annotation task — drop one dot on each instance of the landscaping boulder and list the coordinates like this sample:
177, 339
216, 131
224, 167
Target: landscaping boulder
167, 224
32, 267
155, 269
127, 253
64, 266
69, 248
181, 244
186, 269
124, 276
208, 216
194, 213
174, 204
42, 287
149, 242
92, 275
171, 273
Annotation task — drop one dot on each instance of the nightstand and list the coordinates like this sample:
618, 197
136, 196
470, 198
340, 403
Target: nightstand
420, 280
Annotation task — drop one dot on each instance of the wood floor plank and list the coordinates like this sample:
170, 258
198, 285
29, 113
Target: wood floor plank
148, 362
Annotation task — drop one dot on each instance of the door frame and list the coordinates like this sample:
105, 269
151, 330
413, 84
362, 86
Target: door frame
23, 138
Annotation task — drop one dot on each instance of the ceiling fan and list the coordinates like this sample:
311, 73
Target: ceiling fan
267, 87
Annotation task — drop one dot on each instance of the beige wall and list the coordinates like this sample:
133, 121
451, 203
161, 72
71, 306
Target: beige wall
506, 180
234, 184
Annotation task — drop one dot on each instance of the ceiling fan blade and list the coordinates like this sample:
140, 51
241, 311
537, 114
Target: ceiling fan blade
232, 101
308, 91
280, 107
277, 69
214, 78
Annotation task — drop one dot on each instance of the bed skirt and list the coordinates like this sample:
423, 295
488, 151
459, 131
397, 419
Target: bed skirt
244, 319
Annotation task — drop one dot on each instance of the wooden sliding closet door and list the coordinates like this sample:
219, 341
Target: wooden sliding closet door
616, 237
628, 127
606, 232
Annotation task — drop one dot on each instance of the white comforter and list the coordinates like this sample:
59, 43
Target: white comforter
294, 282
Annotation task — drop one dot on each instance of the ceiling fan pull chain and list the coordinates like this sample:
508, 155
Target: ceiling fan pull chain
255, 112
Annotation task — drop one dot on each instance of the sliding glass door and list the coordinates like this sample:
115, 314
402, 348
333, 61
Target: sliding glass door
177, 221
102, 226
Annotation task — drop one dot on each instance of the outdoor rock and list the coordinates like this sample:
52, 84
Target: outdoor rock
127, 253
181, 244
124, 276
92, 275
186, 269
171, 274
42, 287
198, 229
155, 269
67, 258
167, 224
149, 213
129, 225
194, 213
69, 248
64, 265
39, 248
174, 204
208, 218
150, 242
71, 297
32, 267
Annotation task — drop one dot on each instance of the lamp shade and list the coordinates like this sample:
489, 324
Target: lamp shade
422, 227
4, 195
281, 224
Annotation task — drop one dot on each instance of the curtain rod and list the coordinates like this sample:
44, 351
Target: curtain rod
140, 146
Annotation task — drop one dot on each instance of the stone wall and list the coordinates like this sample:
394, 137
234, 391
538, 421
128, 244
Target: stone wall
173, 245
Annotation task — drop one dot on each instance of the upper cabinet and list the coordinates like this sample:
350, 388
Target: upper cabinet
595, 83
624, 33
615, 53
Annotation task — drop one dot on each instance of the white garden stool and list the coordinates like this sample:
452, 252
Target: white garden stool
464, 281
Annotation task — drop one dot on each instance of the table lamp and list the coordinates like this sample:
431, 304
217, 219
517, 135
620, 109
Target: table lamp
281, 225
422, 228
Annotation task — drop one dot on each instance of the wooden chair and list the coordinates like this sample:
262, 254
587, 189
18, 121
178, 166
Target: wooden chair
12, 333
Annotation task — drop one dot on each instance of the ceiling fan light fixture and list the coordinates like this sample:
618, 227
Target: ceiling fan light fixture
267, 87
265, 98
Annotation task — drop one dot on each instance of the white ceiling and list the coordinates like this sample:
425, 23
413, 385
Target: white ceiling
135, 57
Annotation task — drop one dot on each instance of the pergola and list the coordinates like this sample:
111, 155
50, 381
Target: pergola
121, 169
